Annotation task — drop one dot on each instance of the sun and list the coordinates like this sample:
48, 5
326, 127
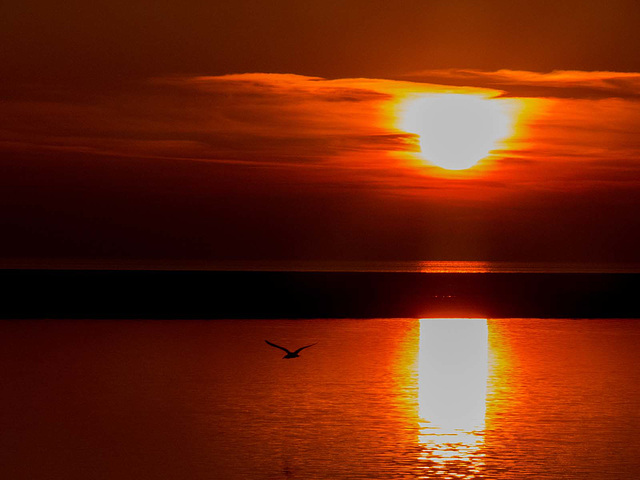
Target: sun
456, 130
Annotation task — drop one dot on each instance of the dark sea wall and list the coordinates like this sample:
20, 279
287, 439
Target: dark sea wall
205, 294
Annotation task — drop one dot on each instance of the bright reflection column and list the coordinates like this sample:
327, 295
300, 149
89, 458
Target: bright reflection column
453, 367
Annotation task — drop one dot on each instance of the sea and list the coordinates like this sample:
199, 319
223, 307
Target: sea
280, 265
370, 398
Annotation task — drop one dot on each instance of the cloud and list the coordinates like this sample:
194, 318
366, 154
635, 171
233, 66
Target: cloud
556, 84
269, 86
340, 131
261, 118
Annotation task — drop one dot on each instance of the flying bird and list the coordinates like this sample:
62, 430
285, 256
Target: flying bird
290, 354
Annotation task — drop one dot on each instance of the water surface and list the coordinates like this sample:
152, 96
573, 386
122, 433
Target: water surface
415, 266
379, 398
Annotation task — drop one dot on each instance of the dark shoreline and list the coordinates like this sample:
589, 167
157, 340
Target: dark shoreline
135, 294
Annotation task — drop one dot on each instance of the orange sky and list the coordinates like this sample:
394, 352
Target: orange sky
116, 142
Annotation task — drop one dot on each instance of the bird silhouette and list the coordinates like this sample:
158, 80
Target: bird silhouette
290, 354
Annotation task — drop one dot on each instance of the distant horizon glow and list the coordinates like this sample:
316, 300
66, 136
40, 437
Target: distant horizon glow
288, 265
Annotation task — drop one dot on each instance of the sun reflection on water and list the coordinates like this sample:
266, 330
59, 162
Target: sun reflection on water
453, 369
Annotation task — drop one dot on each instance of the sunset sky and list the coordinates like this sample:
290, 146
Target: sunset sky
254, 130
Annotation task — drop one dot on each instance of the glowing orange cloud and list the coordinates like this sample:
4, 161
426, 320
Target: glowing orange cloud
354, 131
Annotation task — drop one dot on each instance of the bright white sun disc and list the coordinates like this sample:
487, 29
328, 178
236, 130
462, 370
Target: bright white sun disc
456, 131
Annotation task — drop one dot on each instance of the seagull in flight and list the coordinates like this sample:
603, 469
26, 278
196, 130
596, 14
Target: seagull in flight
290, 354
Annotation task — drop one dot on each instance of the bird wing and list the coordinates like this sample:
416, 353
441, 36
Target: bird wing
277, 346
302, 348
